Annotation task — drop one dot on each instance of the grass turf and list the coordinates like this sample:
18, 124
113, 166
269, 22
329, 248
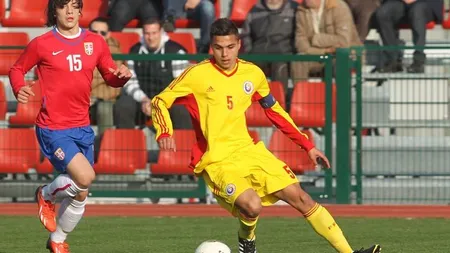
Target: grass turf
182, 235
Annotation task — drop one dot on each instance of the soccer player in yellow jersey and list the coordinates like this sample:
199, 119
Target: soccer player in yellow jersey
242, 175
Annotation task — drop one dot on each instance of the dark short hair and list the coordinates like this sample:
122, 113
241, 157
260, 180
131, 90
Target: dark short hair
223, 27
51, 9
99, 19
152, 21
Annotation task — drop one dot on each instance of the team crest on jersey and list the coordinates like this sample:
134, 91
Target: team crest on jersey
89, 48
60, 154
248, 87
230, 189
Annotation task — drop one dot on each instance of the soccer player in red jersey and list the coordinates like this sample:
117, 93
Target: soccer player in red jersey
66, 58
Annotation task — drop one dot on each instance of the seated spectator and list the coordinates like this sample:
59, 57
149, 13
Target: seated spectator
322, 26
150, 78
416, 13
121, 12
269, 29
363, 11
202, 11
102, 95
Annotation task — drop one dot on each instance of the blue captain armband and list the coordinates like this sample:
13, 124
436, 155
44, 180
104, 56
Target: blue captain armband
267, 101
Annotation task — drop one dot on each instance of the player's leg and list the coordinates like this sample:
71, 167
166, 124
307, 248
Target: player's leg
248, 207
319, 218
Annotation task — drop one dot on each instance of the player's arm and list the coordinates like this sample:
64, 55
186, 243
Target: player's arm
180, 87
28, 59
115, 76
281, 119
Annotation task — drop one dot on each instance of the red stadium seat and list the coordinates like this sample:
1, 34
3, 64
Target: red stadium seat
180, 23
2, 10
19, 150
91, 10
122, 151
446, 21
3, 103
26, 113
430, 25
186, 40
308, 104
45, 167
176, 163
126, 40
26, 13
256, 116
240, 9
9, 56
293, 155
255, 135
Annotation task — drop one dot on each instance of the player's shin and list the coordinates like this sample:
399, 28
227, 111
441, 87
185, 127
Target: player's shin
247, 227
69, 214
62, 187
325, 225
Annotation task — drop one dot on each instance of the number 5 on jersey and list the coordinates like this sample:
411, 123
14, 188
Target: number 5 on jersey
230, 102
74, 62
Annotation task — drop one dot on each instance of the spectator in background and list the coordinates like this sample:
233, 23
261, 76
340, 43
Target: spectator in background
102, 95
121, 12
363, 11
269, 29
202, 11
322, 26
416, 13
151, 77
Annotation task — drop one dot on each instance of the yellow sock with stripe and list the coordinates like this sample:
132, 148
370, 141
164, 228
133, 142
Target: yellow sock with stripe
247, 227
324, 224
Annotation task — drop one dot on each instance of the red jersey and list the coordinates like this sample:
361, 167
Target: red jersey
65, 68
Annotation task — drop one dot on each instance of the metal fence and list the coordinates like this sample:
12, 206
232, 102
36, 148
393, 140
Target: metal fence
393, 128
128, 162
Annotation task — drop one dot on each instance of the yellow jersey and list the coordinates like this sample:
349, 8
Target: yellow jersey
217, 101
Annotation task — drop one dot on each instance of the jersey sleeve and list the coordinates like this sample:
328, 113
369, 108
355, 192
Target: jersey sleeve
105, 62
278, 116
180, 87
26, 61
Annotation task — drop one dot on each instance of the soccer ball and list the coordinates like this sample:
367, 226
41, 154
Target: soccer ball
212, 246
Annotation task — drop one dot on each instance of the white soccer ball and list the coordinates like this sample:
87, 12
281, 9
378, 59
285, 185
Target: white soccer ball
213, 246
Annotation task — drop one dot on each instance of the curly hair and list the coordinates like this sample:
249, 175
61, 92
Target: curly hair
51, 9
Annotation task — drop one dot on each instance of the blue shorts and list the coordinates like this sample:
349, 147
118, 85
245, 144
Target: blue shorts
60, 146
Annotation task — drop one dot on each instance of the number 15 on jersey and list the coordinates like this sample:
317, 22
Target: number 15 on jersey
75, 63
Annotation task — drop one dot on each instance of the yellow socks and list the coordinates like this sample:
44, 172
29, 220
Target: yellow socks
324, 224
247, 227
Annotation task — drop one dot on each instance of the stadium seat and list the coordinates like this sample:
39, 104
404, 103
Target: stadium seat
293, 155
256, 116
45, 167
446, 21
126, 40
9, 56
26, 113
122, 151
430, 25
2, 10
308, 104
19, 150
180, 23
255, 135
26, 13
3, 103
176, 163
186, 40
240, 9
91, 10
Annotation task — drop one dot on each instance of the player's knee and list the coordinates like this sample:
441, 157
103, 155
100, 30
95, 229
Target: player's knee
252, 208
86, 179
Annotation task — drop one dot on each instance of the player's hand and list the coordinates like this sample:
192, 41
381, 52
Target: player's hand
122, 72
319, 158
146, 106
191, 4
409, 1
167, 144
25, 92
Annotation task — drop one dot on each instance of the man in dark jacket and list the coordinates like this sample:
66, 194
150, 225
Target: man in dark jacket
416, 13
150, 78
269, 29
